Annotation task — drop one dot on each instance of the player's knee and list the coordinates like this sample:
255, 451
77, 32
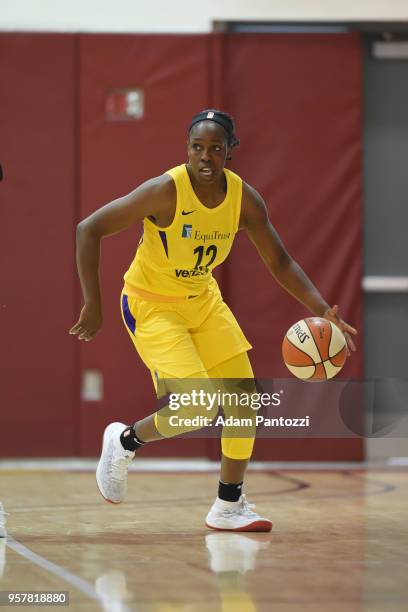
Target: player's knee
237, 448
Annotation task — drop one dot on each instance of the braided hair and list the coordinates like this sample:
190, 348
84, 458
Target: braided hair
223, 119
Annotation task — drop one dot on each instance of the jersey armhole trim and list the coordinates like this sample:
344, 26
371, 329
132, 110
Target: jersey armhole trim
239, 189
170, 226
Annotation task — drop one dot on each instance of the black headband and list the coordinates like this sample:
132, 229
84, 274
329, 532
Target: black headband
213, 116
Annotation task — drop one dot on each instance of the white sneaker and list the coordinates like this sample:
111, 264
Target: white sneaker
111, 473
236, 516
3, 532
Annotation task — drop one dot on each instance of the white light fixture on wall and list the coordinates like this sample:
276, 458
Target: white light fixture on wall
385, 284
92, 386
390, 50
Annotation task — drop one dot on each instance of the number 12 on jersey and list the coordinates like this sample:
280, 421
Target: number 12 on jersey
210, 252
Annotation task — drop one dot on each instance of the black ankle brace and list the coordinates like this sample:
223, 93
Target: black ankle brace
129, 439
230, 492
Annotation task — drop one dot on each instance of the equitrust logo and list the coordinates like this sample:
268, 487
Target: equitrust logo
187, 230
211, 236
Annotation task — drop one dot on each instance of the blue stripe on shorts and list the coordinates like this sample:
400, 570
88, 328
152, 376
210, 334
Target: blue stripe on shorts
129, 318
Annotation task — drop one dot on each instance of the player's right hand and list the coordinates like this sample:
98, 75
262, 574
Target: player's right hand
88, 324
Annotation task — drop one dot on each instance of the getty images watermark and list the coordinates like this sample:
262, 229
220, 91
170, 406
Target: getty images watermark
230, 402
285, 408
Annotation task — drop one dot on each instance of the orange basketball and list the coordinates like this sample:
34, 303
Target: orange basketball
314, 349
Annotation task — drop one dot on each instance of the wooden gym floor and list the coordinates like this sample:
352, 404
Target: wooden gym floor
339, 542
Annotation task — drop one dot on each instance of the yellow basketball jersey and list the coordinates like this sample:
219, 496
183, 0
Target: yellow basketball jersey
177, 260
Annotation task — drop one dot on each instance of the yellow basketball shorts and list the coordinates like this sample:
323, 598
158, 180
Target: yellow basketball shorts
196, 338
179, 339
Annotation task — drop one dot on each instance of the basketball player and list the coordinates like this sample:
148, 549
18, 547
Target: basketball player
172, 306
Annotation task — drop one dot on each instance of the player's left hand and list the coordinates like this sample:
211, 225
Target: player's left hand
348, 331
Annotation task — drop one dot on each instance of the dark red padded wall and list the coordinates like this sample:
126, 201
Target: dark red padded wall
116, 156
297, 104
298, 109
38, 397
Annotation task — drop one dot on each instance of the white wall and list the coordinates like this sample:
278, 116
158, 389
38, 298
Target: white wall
183, 15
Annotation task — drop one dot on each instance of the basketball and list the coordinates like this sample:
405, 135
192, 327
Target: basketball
314, 349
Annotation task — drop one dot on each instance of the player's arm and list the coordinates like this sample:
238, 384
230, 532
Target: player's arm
254, 219
153, 198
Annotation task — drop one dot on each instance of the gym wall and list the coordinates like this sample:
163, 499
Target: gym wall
297, 102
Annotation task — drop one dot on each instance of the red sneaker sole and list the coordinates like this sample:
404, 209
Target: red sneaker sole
255, 526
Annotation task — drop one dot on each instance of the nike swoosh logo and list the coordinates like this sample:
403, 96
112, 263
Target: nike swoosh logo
188, 212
